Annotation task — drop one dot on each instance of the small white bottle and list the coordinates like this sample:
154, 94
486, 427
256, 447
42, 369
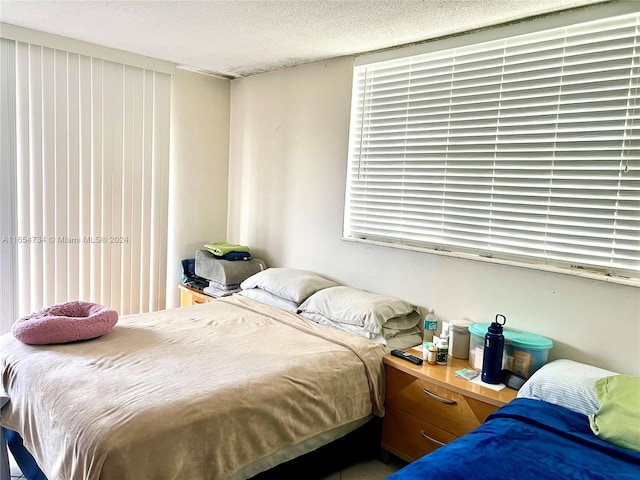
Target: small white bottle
442, 356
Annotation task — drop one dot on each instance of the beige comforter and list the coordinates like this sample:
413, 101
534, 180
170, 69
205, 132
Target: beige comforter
197, 392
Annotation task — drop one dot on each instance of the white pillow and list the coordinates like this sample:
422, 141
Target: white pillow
402, 322
288, 283
392, 332
268, 298
367, 310
345, 327
407, 339
385, 334
396, 339
566, 383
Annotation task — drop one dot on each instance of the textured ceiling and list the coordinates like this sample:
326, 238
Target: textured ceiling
243, 37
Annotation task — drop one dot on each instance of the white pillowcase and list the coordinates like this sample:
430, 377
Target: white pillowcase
267, 298
358, 308
566, 383
288, 283
401, 323
404, 340
396, 339
322, 320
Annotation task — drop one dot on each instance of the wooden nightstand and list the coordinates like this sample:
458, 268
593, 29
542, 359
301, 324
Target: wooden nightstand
428, 406
191, 296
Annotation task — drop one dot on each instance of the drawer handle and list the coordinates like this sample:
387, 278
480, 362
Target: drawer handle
431, 439
439, 398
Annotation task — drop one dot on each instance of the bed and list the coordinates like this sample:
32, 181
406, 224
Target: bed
547, 432
222, 390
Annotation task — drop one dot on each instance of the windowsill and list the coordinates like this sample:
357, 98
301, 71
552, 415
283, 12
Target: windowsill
632, 282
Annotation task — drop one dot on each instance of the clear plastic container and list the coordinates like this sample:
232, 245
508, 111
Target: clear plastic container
524, 352
459, 339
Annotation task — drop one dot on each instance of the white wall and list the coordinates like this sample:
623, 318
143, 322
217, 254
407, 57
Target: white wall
198, 175
288, 151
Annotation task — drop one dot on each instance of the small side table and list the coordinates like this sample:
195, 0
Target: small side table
191, 296
427, 406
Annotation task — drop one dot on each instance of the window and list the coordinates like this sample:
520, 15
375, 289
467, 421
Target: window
522, 149
86, 152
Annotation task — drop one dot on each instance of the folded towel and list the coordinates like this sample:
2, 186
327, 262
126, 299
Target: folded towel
222, 248
237, 256
222, 286
215, 293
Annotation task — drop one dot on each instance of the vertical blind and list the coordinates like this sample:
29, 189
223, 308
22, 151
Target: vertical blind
91, 167
523, 148
8, 257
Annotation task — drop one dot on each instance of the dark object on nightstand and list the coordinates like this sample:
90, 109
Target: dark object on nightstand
405, 356
512, 380
189, 277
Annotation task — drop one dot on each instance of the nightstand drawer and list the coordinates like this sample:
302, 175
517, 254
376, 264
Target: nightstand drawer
434, 404
410, 438
190, 296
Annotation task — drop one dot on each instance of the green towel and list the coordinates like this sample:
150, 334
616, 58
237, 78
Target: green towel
617, 420
220, 249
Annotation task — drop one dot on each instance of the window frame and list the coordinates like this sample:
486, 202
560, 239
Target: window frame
532, 26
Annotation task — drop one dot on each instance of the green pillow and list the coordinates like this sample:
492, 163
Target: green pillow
618, 419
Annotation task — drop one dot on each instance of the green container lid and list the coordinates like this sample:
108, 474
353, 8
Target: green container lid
515, 338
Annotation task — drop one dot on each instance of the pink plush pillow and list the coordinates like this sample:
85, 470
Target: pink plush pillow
65, 322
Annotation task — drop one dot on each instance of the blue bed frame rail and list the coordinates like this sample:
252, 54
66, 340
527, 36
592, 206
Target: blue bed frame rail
4, 456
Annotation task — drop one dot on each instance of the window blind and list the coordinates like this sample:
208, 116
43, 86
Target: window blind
91, 175
8, 256
524, 148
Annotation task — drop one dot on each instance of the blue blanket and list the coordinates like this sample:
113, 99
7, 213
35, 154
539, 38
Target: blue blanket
527, 439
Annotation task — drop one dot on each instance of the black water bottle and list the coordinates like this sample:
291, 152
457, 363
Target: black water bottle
493, 349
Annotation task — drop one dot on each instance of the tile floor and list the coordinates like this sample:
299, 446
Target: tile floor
350, 458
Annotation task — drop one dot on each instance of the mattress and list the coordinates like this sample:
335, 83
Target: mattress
208, 391
527, 439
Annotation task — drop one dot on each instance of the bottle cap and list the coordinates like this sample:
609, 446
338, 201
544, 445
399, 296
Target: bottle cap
496, 326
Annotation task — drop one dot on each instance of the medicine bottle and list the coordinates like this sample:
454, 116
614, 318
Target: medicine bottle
432, 353
443, 346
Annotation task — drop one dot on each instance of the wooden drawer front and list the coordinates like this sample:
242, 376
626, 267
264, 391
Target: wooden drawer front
437, 405
191, 297
185, 298
409, 437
